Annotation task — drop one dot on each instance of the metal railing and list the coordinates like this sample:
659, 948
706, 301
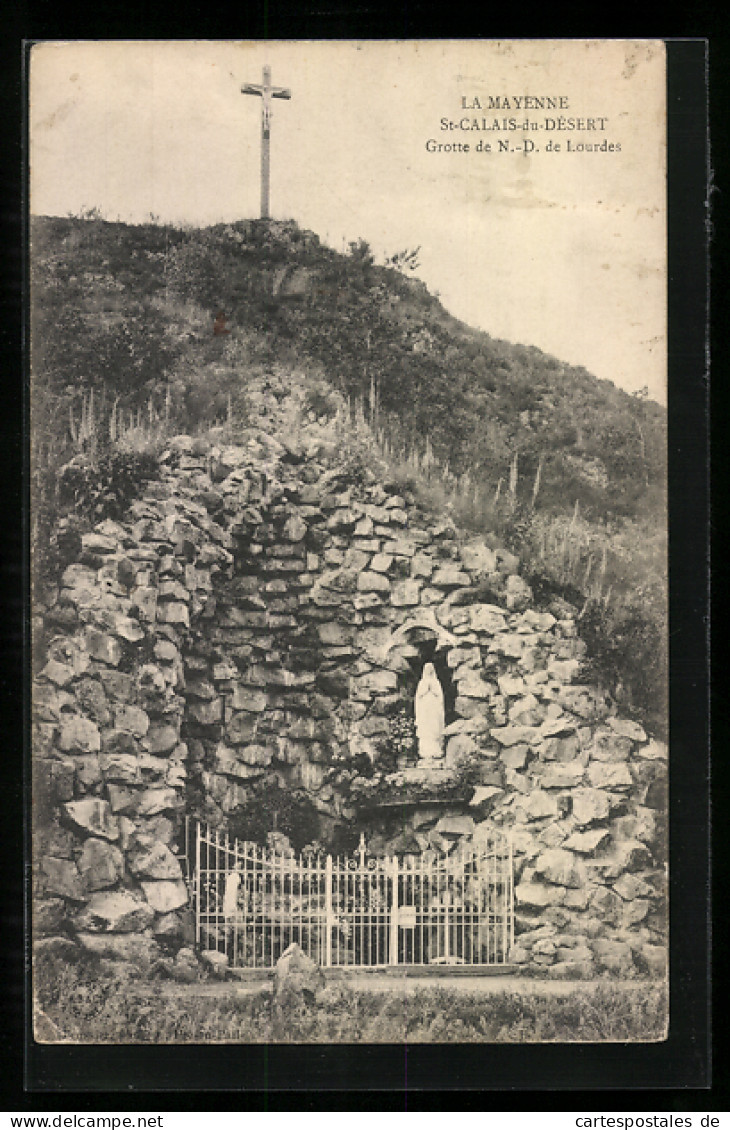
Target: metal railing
251, 902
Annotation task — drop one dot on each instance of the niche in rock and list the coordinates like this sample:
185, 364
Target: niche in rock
272, 811
423, 647
427, 691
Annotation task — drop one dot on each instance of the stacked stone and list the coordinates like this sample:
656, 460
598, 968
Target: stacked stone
582, 790
256, 620
325, 572
589, 851
579, 790
266, 718
110, 762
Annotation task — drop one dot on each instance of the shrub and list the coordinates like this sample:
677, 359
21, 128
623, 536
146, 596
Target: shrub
627, 651
320, 400
104, 489
98, 482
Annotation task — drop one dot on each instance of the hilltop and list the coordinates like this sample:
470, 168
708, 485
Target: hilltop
258, 323
132, 308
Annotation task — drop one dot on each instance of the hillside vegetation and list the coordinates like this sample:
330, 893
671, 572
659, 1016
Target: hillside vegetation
142, 331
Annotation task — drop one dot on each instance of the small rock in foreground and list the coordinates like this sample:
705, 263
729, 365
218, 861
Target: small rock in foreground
297, 979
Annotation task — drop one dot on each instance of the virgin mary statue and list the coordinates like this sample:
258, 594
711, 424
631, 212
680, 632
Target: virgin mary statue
430, 715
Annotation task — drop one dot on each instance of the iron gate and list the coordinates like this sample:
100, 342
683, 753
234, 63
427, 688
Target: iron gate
363, 911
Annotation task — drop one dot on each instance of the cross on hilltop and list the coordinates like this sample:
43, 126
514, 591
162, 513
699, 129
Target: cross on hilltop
266, 92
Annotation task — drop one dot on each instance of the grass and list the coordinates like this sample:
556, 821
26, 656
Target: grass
88, 1005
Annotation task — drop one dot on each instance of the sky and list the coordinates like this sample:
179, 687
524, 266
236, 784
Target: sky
562, 249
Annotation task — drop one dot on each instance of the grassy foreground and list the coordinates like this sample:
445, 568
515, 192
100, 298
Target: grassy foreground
89, 1006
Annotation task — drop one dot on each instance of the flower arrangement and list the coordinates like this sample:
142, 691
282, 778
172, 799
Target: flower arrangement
398, 745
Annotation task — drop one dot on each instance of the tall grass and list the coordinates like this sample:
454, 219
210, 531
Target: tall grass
613, 575
89, 470
575, 554
95, 425
89, 1005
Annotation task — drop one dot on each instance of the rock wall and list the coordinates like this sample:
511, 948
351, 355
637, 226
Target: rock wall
260, 622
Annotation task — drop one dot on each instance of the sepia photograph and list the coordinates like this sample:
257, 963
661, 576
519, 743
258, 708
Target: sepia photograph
348, 460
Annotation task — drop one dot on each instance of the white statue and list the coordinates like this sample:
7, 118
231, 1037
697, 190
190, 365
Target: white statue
230, 894
430, 715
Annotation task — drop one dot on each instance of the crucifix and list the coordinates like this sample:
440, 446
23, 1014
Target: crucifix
266, 92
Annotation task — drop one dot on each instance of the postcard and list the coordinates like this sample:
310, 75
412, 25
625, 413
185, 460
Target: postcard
349, 535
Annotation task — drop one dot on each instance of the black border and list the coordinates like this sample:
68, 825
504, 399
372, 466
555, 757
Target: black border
673, 1075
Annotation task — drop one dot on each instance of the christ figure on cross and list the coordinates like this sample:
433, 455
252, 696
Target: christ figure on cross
266, 92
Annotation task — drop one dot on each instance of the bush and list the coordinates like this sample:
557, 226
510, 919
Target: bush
627, 651
320, 400
80, 493
104, 488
